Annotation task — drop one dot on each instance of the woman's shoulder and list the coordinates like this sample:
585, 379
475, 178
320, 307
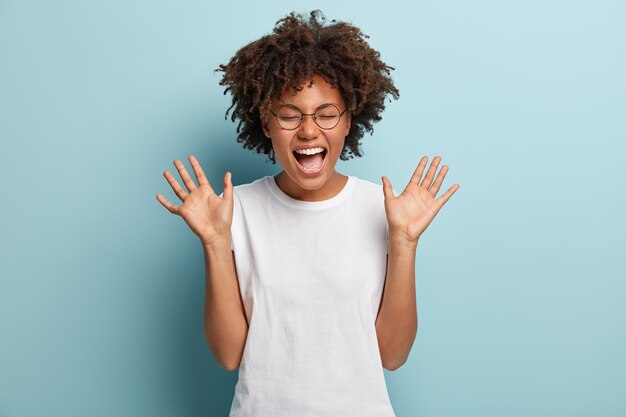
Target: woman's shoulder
250, 189
367, 186
253, 186
366, 183
372, 188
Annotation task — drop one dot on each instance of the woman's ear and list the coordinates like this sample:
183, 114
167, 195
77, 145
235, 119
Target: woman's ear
265, 126
348, 121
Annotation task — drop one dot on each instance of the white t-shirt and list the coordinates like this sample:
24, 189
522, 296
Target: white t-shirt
311, 276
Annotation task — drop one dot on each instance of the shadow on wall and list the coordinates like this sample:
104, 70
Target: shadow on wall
199, 386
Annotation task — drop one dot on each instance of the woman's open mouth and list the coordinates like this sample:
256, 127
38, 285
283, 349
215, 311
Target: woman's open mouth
310, 164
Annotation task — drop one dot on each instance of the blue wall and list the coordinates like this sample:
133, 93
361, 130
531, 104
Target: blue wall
520, 278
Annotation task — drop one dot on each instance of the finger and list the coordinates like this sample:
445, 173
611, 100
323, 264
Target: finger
172, 208
180, 192
185, 176
434, 189
197, 169
445, 196
387, 189
228, 187
428, 179
417, 174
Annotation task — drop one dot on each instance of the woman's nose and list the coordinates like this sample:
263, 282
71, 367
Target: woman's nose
308, 128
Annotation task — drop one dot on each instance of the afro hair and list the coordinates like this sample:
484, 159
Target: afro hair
296, 50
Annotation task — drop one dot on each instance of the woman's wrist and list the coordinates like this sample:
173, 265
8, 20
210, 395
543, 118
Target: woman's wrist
217, 242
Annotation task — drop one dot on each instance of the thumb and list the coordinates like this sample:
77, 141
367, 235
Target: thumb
387, 188
228, 186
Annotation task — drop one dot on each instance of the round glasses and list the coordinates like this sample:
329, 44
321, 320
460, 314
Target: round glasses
290, 117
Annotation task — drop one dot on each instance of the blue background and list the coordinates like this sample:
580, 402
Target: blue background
520, 278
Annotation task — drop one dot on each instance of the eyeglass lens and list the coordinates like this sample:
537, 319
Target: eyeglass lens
290, 117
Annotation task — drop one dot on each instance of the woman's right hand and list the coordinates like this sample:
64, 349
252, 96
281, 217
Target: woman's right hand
208, 215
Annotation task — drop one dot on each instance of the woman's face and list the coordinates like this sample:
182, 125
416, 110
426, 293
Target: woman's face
313, 183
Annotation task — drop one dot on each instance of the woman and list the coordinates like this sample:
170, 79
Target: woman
310, 273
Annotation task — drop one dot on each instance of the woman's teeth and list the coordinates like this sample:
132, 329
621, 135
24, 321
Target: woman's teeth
311, 151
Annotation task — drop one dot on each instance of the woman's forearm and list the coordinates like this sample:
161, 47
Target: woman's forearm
396, 324
225, 324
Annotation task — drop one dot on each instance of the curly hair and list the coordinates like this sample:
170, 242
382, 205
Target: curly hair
298, 49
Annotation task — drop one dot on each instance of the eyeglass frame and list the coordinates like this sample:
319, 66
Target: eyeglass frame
309, 114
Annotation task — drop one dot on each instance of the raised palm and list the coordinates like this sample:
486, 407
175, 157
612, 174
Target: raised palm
208, 215
410, 213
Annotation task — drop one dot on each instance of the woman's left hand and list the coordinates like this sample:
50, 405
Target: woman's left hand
410, 213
